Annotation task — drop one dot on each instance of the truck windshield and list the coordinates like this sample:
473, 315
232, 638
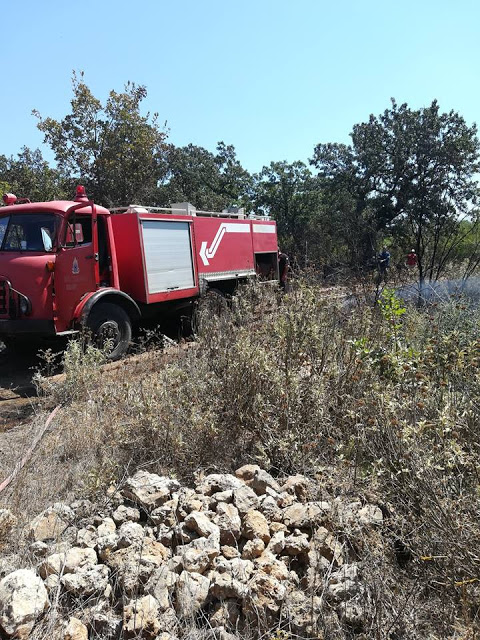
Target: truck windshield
28, 232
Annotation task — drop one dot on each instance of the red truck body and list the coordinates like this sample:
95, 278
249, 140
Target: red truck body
65, 264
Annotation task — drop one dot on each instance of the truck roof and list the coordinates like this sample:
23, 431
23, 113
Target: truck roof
55, 206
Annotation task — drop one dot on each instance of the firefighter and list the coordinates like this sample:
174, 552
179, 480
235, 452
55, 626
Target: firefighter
384, 261
283, 265
412, 259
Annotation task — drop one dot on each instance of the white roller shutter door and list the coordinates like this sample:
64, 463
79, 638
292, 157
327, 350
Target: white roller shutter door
168, 256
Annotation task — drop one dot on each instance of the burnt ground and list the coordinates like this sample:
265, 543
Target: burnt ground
17, 391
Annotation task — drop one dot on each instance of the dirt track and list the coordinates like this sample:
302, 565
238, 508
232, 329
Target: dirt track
17, 393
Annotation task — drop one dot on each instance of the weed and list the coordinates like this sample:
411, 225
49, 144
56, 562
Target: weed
383, 405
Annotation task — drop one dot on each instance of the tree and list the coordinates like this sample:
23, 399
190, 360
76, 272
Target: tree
117, 152
207, 180
30, 176
410, 173
291, 195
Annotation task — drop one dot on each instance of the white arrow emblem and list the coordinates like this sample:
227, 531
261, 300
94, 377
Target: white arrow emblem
207, 254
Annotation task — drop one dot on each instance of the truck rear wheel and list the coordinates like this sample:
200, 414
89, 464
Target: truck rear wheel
111, 329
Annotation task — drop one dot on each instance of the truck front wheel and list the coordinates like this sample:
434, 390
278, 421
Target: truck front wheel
111, 329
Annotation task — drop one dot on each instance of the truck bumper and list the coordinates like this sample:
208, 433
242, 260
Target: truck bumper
9, 327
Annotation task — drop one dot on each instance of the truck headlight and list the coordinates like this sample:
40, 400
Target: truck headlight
24, 305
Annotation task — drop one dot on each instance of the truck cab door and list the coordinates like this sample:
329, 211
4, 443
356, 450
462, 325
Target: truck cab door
76, 267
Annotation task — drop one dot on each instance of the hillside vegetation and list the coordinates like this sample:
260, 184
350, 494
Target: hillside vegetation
376, 403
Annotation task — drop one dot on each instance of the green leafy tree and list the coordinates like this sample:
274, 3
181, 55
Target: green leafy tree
409, 174
210, 181
291, 195
30, 176
115, 150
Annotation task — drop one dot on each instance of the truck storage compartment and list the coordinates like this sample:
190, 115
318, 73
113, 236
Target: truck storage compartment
266, 265
168, 255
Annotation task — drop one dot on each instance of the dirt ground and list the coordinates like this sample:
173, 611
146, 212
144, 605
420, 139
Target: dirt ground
17, 392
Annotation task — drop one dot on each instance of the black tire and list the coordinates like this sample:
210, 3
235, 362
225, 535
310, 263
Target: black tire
109, 322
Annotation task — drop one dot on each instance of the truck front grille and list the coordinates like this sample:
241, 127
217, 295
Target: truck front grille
4, 296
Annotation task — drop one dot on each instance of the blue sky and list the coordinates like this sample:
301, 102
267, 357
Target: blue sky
271, 78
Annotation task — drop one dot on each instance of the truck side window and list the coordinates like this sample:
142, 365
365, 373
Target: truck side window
3, 227
80, 234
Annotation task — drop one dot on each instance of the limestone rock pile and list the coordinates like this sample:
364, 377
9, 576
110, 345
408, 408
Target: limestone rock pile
232, 557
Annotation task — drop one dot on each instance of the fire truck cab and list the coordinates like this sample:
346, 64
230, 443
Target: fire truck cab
65, 265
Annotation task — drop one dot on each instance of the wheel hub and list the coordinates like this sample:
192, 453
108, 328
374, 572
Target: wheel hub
109, 332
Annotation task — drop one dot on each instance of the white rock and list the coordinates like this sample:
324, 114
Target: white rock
87, 537
141, 618
255, 525
149, 490
224, 585
263, 480
51, 523
75, 630
253, 549
161, 585
200, 523
87, 581
247, 472
23, 597
107, 527
296, 544
228, 521
344, 584
130, 533
306, 516
77, 558
125, 514
216, 482
192, 593
245, 499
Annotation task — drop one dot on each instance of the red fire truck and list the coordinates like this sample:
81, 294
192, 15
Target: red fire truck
68, 265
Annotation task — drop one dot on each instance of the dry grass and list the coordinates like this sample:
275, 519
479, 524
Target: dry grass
375, 403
